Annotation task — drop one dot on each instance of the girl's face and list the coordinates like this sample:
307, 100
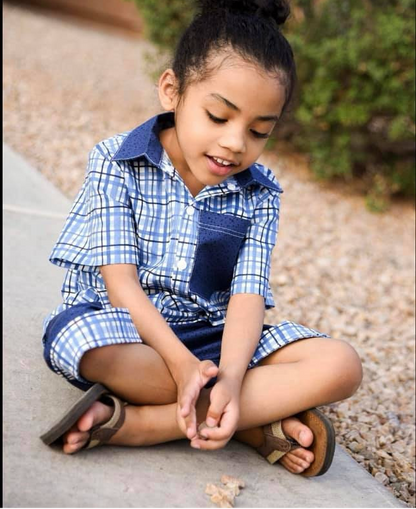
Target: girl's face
221, 123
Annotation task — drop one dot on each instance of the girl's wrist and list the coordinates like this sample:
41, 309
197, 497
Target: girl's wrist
178, 361
231, 374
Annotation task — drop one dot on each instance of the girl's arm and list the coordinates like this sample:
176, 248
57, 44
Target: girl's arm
124, 290
243, 328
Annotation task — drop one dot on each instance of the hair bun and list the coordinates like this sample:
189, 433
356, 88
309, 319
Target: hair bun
278, 10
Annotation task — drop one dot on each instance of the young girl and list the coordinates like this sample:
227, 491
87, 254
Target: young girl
168, 251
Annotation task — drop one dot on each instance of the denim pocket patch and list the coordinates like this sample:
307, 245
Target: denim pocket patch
219, 240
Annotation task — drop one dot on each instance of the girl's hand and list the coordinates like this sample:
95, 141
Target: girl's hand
222, 416
192, 378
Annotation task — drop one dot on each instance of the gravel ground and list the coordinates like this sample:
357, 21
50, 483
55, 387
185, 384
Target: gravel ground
338, 268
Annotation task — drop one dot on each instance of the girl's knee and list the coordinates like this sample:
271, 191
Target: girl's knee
96, 363
346, 367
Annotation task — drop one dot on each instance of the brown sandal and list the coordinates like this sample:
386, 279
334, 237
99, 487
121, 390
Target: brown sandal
102, 433
99, 434
276, 444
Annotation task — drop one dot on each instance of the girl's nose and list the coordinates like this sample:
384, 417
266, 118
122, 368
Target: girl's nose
233, 141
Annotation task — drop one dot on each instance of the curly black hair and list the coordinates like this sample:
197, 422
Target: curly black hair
250, 27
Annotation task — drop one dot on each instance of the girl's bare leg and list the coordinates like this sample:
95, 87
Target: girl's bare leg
137, 374
134, 372
305, 374
311, 372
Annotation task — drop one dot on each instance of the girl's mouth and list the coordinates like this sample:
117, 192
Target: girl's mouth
218, 168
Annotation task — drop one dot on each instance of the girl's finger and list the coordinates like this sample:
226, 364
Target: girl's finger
190, 422
191, 431
185, 409
187, 402
209, 445
209, 370
215, 410
186, 426
216, 433
181, 422
227, 426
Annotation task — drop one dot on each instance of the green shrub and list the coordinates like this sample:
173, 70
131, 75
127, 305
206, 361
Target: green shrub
356, 110
354, 113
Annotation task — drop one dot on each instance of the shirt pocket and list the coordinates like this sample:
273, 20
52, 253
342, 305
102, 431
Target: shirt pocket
219, 240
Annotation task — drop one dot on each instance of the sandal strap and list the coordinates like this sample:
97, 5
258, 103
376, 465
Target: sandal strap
102, 433
276, 444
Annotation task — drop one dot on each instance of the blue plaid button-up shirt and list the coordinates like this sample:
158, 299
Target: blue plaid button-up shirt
192, 253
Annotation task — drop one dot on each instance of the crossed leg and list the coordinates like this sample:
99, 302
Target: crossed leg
301, 375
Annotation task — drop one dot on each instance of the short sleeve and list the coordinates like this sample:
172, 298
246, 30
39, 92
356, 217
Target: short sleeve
100, 229
252, 270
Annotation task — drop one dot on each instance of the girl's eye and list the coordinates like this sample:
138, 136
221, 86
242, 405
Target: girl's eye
261, 135
223, 120
216, 119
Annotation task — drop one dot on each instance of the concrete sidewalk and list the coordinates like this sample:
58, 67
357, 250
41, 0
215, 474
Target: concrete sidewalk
170, 475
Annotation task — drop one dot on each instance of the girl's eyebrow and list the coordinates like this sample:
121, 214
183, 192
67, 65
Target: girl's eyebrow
264, 118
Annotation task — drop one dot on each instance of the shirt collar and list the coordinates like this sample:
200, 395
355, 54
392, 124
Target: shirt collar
144, 141
254, 176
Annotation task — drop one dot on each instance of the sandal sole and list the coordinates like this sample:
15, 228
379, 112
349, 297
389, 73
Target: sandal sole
72, 415
323, 431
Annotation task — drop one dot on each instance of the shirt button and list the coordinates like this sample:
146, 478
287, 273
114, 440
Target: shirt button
181, 264
232, 187
190, 210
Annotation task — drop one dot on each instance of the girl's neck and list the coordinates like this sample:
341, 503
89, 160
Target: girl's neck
169, 142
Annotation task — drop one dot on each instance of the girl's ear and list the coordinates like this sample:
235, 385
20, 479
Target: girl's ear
168, 95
